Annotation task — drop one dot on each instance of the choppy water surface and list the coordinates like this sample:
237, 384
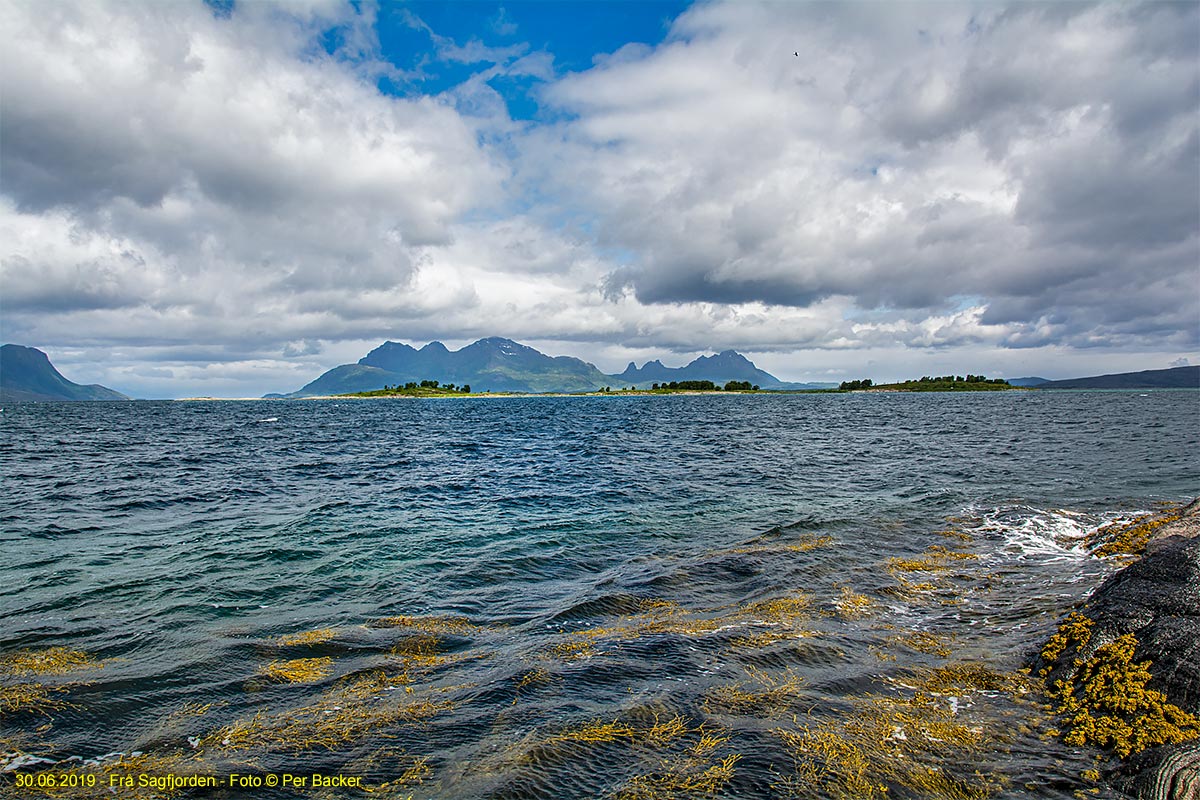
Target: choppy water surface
570, 597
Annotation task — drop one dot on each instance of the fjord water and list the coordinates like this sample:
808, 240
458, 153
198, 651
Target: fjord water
178, 541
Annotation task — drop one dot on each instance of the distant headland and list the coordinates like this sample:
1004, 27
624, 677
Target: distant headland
27, 374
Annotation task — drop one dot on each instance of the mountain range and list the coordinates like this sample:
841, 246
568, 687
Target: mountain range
502, 365
1173, 378
27, 374
726, 366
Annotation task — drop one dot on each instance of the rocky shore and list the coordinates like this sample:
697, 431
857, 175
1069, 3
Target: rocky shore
1124, 669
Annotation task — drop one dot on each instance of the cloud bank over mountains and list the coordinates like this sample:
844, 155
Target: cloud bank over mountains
232, 198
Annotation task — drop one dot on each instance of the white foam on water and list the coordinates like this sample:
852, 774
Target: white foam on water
22, 760
1053, 534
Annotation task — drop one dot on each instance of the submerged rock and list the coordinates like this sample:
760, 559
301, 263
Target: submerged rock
1154, 602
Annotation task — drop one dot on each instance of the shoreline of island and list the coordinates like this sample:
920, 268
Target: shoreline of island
405, 395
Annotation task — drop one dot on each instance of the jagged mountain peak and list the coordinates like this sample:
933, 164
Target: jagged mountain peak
388, 349
501, 344
723, 356
724, 366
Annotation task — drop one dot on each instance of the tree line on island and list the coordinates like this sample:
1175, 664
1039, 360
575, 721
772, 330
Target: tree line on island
425, 388
431, 388
692, 386
926, 383
942, 383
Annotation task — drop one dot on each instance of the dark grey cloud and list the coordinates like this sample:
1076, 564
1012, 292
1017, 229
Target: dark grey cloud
50, 159
1113, 196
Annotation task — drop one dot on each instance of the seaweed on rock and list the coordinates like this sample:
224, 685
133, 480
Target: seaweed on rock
1104, 699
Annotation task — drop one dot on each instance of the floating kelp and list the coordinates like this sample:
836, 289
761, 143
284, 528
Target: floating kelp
763, 695
185, 721
790, 608
570, 651
659, 605
307, 638
419, 651
677, 759
459, 626
691, 776
299, 670
763, 623
415, 775
28, 697
50, 661
760, 640
403, 772
917, 592
658, 733
930, 577
371, 684
924, 642
344, 715
31, 698
655, 617
936, 559
853, 605
804, 544
596, 731
915, 739
969, 677
533, 678
420, 655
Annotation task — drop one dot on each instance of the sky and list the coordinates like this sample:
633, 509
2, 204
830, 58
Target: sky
229, 198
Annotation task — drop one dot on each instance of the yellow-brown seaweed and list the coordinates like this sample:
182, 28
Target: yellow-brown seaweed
299, 670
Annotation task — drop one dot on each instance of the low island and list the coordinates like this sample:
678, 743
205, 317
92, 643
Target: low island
431, 388
415, 389
946, 383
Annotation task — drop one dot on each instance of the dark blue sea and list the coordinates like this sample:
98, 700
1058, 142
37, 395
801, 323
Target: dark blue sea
685, 596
